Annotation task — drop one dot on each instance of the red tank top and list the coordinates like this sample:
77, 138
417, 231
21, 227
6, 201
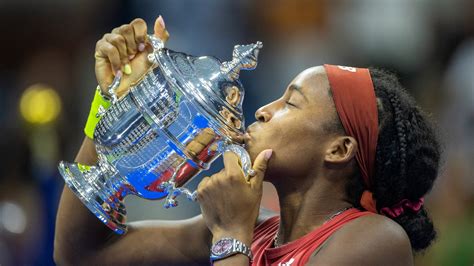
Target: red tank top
299, 251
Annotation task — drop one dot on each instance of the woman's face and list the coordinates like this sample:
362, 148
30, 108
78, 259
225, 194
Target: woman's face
295, 126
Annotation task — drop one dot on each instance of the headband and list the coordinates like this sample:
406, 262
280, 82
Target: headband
354, 97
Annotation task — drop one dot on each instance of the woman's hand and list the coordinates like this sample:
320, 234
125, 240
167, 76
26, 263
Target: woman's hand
124, 52
229, 203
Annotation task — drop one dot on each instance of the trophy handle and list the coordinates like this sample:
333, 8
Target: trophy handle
174, 191
244, 158
157, 44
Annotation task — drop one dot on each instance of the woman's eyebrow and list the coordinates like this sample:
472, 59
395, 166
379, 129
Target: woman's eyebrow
294, 87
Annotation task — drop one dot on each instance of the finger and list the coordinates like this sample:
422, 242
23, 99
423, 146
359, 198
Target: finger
109, 51
201, 186
127, 32
140, 33
232, 165
160, 29
260, 166
118, 41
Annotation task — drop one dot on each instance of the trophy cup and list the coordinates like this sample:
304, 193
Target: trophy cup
143, 140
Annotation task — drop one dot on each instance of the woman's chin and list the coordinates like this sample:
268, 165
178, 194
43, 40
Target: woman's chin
254, 152
251, 152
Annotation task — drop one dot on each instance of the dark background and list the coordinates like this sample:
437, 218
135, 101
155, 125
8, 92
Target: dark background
47, 50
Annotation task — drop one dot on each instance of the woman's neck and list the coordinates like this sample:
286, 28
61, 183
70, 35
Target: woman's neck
302, 209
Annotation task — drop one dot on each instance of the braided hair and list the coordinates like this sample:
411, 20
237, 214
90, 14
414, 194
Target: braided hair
407, 158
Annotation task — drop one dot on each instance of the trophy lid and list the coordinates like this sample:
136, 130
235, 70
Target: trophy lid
214, 84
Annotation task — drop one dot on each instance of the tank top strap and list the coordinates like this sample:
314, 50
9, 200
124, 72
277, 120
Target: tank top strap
300, 250
327, 230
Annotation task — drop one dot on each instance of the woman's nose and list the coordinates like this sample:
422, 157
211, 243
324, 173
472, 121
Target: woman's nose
263, 115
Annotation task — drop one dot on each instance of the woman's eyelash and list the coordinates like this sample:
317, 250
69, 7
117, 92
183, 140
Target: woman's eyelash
287, 102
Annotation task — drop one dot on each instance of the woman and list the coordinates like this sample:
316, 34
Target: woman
348, 151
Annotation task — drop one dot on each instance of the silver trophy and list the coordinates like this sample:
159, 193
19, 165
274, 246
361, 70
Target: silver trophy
143, 140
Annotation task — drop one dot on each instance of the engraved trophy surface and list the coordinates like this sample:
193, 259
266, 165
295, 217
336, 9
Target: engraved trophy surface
142, 139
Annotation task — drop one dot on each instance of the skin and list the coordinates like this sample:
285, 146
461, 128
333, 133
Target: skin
289, 146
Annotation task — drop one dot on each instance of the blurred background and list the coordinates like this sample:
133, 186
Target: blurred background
47, 83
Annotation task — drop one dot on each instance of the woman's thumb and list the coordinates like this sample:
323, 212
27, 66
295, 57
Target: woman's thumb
260, 166
160, 29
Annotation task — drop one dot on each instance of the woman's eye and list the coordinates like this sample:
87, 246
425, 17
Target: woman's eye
287, 102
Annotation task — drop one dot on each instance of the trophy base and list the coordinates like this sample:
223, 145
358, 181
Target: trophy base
82, 180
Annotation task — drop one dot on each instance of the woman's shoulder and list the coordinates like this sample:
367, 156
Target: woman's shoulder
368, 240
374, 225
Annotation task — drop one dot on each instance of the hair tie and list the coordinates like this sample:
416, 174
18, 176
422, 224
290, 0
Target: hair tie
399, 208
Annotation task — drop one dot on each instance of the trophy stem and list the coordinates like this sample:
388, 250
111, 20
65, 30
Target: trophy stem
100, 189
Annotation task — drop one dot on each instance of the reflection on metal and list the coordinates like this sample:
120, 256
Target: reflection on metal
171, 125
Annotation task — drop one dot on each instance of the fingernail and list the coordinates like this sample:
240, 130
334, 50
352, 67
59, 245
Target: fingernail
141, 47
118, 74
268, 154
161, 21
127, 69
131, 57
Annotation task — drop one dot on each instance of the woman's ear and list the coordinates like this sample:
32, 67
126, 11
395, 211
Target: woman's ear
341, 150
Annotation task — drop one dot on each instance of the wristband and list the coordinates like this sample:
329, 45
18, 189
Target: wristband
99, 105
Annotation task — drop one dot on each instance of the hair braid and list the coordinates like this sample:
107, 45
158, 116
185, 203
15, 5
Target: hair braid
400, 127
